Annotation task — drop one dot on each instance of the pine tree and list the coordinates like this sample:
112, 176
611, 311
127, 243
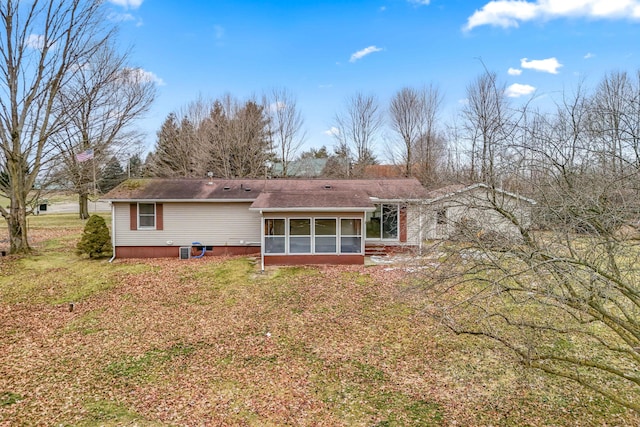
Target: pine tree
112, 175
135, 167
95, 240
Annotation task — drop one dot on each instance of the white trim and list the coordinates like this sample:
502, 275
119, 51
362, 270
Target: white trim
312, 220
335, 236
289, 236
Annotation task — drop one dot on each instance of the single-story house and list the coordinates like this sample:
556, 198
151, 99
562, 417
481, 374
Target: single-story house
448, 209
285, 221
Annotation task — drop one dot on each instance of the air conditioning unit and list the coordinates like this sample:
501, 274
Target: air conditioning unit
185, 252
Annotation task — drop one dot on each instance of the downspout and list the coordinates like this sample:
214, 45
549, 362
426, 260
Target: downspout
113, 231
420, 224
262, 241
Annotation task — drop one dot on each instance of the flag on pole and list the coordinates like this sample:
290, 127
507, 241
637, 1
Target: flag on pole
85, 155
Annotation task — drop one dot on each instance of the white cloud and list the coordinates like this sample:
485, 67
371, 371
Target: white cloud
549, 65
128, 4
514, 71
144, 76
120, 17
517, 90
420, 2
334, 131
364, 52
589, 55
509, 13
35, 41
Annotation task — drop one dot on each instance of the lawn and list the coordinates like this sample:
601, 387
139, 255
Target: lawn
214, 341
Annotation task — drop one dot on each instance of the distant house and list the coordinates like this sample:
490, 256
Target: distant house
447, 209
297, 221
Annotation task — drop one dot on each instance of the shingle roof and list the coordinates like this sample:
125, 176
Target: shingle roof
453, 190
312, 192
324, 200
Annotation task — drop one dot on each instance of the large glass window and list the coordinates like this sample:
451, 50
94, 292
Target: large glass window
325, 235
274, 236
383, 222
389, 221
146, 215
351, 235
300, 235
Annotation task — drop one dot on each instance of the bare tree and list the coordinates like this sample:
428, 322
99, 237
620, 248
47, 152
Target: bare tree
413, 115
563, 296
40, 44
487, 125
357, 128
286, 124
105, 98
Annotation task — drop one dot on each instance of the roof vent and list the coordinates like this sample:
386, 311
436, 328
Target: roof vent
247, 189
327, 187
226, 188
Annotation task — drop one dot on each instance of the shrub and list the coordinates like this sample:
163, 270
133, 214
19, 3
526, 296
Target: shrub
95, 240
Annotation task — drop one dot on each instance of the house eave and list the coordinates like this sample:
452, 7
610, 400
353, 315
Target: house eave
138, 200
314, 209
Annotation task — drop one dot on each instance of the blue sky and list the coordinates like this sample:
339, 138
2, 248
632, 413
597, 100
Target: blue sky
324, 52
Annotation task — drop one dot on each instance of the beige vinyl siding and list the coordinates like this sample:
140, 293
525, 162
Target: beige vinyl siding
216, 224
414, 231
474, 206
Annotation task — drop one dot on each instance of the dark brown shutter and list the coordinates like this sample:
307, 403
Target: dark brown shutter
159, 217
133, 216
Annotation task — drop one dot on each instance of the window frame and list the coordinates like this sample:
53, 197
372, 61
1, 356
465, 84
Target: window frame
273, 237
360, 236
335, 236
290, 235
154, 215
380, 208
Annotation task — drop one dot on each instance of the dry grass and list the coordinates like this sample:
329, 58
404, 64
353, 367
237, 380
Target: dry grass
214, 342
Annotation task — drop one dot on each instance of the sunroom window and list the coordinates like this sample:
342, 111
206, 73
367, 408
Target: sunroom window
325, 235
300, 235
351, 235
274, 236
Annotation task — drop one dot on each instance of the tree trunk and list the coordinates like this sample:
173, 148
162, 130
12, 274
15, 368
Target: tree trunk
83, 204
17, 224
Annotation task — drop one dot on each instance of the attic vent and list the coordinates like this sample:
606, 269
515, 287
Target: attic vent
327, 187
226, 188
247, 189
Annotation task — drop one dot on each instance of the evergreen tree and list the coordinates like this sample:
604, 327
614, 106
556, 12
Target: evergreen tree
95, 240
135, 167
112, 175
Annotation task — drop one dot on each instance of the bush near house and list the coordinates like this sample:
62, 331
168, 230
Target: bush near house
95, 240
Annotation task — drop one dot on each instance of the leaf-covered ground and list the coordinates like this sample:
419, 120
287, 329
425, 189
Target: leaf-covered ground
215, 342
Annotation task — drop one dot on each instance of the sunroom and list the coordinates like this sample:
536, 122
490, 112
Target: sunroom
325, 229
